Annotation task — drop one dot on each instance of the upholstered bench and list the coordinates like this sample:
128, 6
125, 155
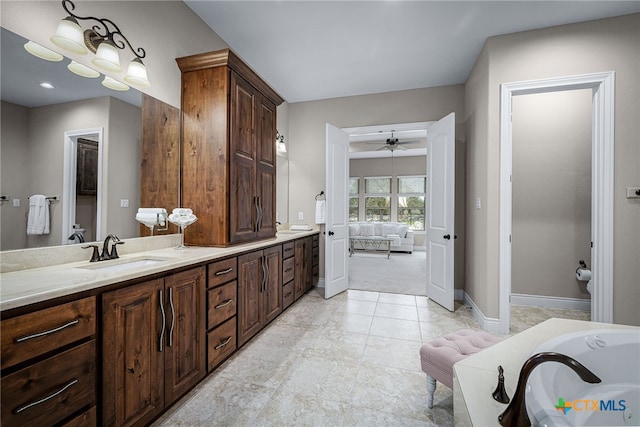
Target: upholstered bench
439, 355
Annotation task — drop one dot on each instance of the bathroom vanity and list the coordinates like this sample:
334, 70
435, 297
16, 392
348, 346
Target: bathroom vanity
117, 342
475, 377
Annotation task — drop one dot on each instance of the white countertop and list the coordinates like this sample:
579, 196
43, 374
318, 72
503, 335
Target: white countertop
476, 376
28, 286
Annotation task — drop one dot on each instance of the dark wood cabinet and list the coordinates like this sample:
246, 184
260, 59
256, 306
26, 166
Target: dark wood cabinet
228, 150
222, 306
153, 346
259, 290
303, 266
87, 167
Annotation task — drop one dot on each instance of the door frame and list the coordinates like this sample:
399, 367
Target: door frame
69, 182
602, 185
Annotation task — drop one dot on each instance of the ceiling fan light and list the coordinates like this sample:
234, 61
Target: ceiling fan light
69, 36
137, 73
82, 70
42, 52
107, 57
113, 84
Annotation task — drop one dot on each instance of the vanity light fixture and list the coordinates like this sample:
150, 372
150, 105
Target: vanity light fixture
82, 70
104, 39
280, 146
42, 52
114, 84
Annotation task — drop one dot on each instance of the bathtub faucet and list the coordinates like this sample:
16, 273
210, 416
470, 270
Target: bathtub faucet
516, 413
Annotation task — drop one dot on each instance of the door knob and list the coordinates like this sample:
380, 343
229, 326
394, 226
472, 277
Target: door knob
446, 237
331, 233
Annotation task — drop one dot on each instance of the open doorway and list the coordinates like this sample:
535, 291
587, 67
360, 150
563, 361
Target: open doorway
600, 87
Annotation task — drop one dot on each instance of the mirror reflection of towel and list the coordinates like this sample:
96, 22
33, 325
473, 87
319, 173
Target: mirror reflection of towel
320, 211
38, 218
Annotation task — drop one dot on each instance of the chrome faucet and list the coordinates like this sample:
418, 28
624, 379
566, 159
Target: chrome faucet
78, 236
105, 248
516, 413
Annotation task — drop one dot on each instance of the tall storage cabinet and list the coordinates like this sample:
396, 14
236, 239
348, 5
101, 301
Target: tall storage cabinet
228, 150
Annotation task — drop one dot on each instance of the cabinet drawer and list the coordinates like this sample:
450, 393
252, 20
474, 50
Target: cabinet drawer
287, 295
315, 259
288, 269
315, 271
222, 271
221, 342
33, 334
222, 303
86, 419
288, 250
51, 390
316, 240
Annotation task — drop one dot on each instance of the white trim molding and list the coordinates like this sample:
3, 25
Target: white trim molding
551, 302
602, 185
489, 324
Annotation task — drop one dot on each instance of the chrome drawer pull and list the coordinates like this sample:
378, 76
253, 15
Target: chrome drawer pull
288, 294
224, 304
228, 270
44, 399
173, 316
288, 270
164, 320
222, 344
50, 331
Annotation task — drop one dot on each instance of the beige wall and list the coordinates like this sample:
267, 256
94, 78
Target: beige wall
307, 133
602, 45
14, 154
165, 29
551, 225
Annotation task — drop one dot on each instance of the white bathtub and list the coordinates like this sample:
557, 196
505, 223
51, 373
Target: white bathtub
611, 354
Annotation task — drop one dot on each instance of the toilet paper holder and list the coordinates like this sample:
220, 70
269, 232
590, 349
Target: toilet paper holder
582, 265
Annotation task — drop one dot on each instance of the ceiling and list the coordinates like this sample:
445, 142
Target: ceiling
310, 50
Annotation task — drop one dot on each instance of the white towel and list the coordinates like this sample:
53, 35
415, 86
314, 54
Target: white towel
38, 218
321, 206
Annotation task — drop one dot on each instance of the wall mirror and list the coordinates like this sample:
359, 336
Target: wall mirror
39, 124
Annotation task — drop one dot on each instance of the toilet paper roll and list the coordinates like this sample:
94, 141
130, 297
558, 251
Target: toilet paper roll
583, 274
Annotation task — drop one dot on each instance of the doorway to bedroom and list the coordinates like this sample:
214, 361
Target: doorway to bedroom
387, 207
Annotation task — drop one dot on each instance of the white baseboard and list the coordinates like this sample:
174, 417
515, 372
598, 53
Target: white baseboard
489, 324
551, 302
458, 294
320, 283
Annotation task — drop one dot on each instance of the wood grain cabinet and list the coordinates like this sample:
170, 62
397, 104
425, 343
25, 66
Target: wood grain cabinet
222, 305
153, 346
49, 364
259, 290
303, 266
87, 167
228, 150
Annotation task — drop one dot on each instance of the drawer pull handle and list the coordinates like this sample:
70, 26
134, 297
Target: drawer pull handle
222, 344
288, 270
173, 316
288, 294
228, 270
224, 304
50, 331
164, 321
44, 399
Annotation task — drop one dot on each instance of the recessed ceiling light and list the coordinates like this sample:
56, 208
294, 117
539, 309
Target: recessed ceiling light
47, 85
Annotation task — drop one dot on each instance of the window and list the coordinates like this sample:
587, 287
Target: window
411, 201
377, 200
354, 199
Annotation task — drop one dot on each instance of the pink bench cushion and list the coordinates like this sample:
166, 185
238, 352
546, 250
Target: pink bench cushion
439, 355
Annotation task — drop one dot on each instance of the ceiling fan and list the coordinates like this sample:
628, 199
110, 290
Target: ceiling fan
394, 143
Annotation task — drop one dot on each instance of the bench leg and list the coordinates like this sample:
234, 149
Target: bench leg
431, 389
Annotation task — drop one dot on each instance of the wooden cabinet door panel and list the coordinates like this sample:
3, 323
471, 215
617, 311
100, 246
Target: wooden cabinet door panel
272, 292
250, 318
48, 391
133, 381
299, 281
266, 174
221, 342
185, 351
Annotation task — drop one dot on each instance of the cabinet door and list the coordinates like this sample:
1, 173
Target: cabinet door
250, 275
243, 202
132, 353
272, 291
185, 345
266, 173
300, 283
87, 167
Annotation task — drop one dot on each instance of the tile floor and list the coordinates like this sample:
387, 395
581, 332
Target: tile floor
352, 360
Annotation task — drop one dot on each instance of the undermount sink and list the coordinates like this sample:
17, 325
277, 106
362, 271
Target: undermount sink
124, 264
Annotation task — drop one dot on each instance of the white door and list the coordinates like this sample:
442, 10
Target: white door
440, 203
336, 239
